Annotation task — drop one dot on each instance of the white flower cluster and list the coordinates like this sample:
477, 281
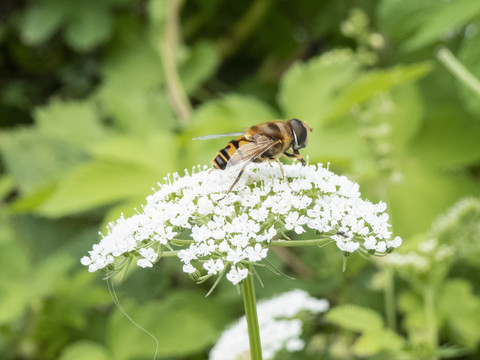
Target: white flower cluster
225, 234
279, 329
428, 254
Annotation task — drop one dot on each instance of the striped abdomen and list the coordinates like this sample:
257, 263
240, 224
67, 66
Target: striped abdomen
220, 161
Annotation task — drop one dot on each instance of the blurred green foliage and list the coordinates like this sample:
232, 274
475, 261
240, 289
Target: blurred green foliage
99, 100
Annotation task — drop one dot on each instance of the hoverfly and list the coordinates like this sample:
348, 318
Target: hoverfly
263, 142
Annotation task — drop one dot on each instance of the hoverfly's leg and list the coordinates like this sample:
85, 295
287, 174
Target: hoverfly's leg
297, 156
235, 182
283, 173
302, 160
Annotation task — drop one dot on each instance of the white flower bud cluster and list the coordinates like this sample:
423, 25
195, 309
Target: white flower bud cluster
228, 233
428, 254
279, 329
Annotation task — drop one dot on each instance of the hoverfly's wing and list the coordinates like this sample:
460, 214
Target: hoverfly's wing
216, 136
251, 150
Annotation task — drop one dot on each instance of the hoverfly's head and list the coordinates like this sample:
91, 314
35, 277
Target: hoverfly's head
300, 132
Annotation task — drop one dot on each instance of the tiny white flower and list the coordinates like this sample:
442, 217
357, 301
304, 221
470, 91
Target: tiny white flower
188, 254
85, 261
144, 263
205, 205
240, 240
224, 246
149, 254
256, 253
370, 243
206, 248
259, 215
267, 235
295, 221
381, 246
213, 266
235, 275
395, 243
188, 268
236, 255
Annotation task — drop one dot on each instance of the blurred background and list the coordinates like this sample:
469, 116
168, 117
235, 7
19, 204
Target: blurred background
99, 100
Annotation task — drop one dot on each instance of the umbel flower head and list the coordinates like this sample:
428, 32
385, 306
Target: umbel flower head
184, 217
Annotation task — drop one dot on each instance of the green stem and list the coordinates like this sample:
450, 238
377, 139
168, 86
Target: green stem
389, 298
429, 303
169, 253
176, 92
300, 242
457, 69
182, 242
251, 315
243, 28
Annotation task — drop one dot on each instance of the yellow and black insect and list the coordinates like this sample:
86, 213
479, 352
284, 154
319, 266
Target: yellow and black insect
263, 142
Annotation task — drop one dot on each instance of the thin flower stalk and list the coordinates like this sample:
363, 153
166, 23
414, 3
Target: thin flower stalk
249, 302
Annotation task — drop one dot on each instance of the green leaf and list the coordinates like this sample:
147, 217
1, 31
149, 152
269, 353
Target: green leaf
308, 90
91, 27
407, 116
6, 185
131, 62
138, 111
147, 151
375, 341
468, 55
76, 122
415, 201
201, 63
42, 20
184, 323
372, 83
85, 350
76, 295
132, 91
17, 292
27, 203
99, 183
34, 160
413, 310
459, 308
14, 259
231, 113
443, 18
338, 142
400, 19
355, 318
449, 137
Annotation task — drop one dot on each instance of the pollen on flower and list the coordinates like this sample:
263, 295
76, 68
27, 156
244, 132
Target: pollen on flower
185, 217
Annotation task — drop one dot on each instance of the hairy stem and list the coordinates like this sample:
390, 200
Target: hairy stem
176, 92
249, 302
456, 68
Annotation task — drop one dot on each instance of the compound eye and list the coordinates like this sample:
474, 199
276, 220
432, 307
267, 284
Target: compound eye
299, 134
